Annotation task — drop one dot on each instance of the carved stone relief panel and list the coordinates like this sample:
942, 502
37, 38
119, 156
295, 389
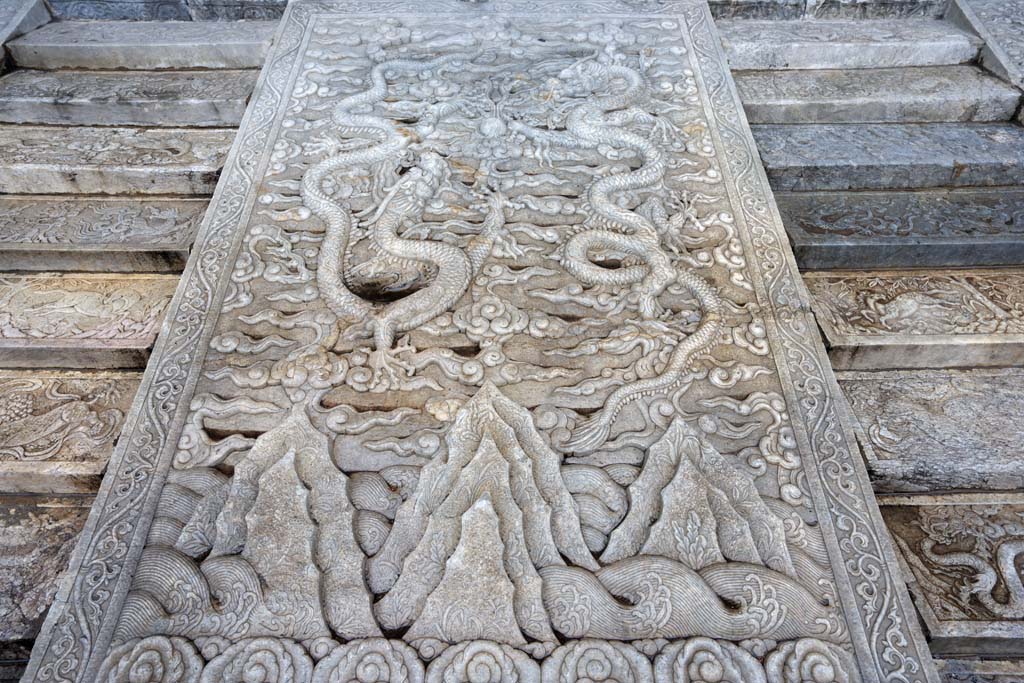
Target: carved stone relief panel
58, 428
964, 553
490, 364
81, 319
922, 318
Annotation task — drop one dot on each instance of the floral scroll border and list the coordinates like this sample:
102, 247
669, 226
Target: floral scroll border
78, 629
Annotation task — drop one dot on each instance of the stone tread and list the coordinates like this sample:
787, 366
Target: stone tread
916, 426
905, 229
846, 44
133, 98
931, 94
802, 157
891, 319
102, 160
88, 233
81, 320
145, 45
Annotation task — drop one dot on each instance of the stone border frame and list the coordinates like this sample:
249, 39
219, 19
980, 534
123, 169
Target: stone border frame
883, 625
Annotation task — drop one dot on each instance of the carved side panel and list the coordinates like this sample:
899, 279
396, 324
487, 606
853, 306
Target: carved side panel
495, 369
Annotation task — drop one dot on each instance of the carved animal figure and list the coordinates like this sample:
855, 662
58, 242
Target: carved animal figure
598, 121
405, 201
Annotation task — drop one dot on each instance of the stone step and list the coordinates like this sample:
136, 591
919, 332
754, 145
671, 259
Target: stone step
234, 10
929, 94
890, 156
920, 318
87, 233
961, 562
81, 320
917, 426
905, 229
102, 160
845, 44
37, 537
60, 427
145, 45
826, 9
133, 10
133, 98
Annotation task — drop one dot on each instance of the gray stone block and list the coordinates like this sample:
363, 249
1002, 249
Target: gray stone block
905, 229
135, 45
81, 320
846, 44
918, 426
890, 156
1000, 23
37, 536
920, 319
874, 9
980, 670
931, 94
104, 160
97, 234
135, 98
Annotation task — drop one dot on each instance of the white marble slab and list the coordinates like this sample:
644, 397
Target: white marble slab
491, 362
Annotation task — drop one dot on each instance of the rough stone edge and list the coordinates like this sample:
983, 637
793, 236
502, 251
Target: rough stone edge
993, 57
32, 15
883, 626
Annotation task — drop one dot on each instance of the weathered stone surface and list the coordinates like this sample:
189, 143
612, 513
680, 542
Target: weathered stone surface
920, 319
134, 45
1000, 23
144, 98
234, 10
826, 9
37, 536
962, 554
18, 17
132, 10
58, 428
490, 363
980, 670
101, 160
939, 430
845, 44
97, 234
905, 95
851, 156
968, 227
81, 320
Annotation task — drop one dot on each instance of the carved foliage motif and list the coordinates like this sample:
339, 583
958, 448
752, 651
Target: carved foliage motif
491, 376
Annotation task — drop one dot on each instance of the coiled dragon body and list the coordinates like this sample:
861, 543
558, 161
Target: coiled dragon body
598, 121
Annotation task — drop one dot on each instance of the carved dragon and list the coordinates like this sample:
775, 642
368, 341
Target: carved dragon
599, 121
404, 202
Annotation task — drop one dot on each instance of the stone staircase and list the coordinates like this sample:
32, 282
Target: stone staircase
895, 147
890, 130
112, 137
